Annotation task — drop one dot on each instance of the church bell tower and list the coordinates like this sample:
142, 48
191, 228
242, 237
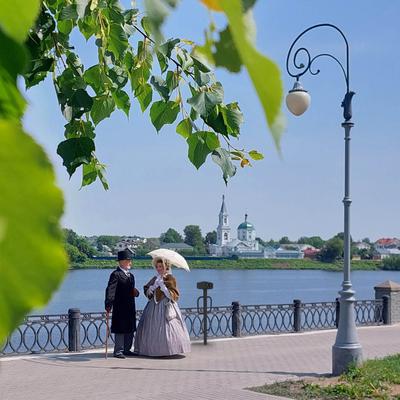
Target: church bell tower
223, 230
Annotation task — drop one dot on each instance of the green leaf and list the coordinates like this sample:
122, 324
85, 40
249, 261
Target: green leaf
193, 114
255, 155
139, 76
46, 24
92, 171
88, 26
118, 41
161, 86
184, 128
75, 152
144, 94
65, 26
102, 108
80, 99
12, 104
146, 25
184, 59
206, 99
142, 71
129, 60
118, 75
38, 70
69, 13
75, 63
17, 17
226, 54
233, 118
163, 112
201, 78
77, 128
162, 61
114, 13
211, 139
172, 80
215, 120
15, 64
200, 63
95, 77
263, 72
222, 157
122, 101
166, 48
67, 83
30, 282
201, 144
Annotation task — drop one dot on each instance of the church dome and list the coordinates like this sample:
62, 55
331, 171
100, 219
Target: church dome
246, 225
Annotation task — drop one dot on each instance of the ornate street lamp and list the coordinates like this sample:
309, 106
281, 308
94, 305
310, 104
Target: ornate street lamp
347, 348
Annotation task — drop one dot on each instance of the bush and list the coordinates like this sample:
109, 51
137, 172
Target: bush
391, 263
333, 250
74, 254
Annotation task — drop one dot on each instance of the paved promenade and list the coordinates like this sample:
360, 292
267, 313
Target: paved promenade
220, 370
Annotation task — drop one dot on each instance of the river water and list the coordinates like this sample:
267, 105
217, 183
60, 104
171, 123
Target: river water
84, 289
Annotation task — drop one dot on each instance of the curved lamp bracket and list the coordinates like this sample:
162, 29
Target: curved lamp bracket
300, 68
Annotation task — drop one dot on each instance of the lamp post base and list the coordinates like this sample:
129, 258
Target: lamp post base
343, 356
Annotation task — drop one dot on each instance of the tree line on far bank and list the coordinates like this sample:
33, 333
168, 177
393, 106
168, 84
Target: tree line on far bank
80, 248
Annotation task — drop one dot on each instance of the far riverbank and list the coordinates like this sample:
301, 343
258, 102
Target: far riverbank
243, 264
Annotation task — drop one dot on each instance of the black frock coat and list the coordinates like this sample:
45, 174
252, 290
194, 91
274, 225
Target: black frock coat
119, 297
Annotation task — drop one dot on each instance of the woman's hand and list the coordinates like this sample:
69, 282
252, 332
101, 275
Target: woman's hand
159, 281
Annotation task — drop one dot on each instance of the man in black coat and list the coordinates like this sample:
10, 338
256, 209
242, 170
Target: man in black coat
120, 298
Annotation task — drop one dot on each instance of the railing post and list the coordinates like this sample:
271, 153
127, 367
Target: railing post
204, 286
297, 315
337, 312
386, 310
74, 329
236, 319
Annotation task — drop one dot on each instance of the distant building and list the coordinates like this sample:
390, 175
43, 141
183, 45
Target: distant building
362, 245
177, 247
387, 243
129, 242
283, 252
105, 250
124, 245
245, 246
311, 253
381, 253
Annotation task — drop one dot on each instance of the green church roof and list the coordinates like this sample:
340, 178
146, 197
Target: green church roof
246, 225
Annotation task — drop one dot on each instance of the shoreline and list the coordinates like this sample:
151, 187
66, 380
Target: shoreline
243, 264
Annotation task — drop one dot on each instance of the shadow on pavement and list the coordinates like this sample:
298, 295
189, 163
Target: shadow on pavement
134, 368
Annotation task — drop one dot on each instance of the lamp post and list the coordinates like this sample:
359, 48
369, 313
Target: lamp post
347, 348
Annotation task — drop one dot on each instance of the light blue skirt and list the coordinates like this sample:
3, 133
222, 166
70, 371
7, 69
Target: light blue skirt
156, 336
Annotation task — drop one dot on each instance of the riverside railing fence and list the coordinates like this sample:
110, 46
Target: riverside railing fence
78, 330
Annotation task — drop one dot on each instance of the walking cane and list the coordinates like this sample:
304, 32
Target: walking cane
107, 331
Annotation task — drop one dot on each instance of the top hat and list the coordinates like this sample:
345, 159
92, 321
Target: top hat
124, 255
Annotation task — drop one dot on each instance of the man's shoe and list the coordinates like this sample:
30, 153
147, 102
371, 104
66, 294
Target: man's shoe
119, 356
129, 353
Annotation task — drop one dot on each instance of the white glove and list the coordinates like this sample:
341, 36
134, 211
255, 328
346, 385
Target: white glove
155, 285
165, 290
159, 280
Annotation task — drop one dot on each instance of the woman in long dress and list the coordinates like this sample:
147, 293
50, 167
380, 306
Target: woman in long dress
161, 330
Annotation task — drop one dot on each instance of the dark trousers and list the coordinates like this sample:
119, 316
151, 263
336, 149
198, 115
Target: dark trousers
123, 342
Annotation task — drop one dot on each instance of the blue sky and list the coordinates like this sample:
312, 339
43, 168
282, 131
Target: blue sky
153, 186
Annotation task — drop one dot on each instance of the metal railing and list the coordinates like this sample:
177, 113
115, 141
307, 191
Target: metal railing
75, 331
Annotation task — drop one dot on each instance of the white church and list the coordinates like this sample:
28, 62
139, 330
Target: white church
245, 246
